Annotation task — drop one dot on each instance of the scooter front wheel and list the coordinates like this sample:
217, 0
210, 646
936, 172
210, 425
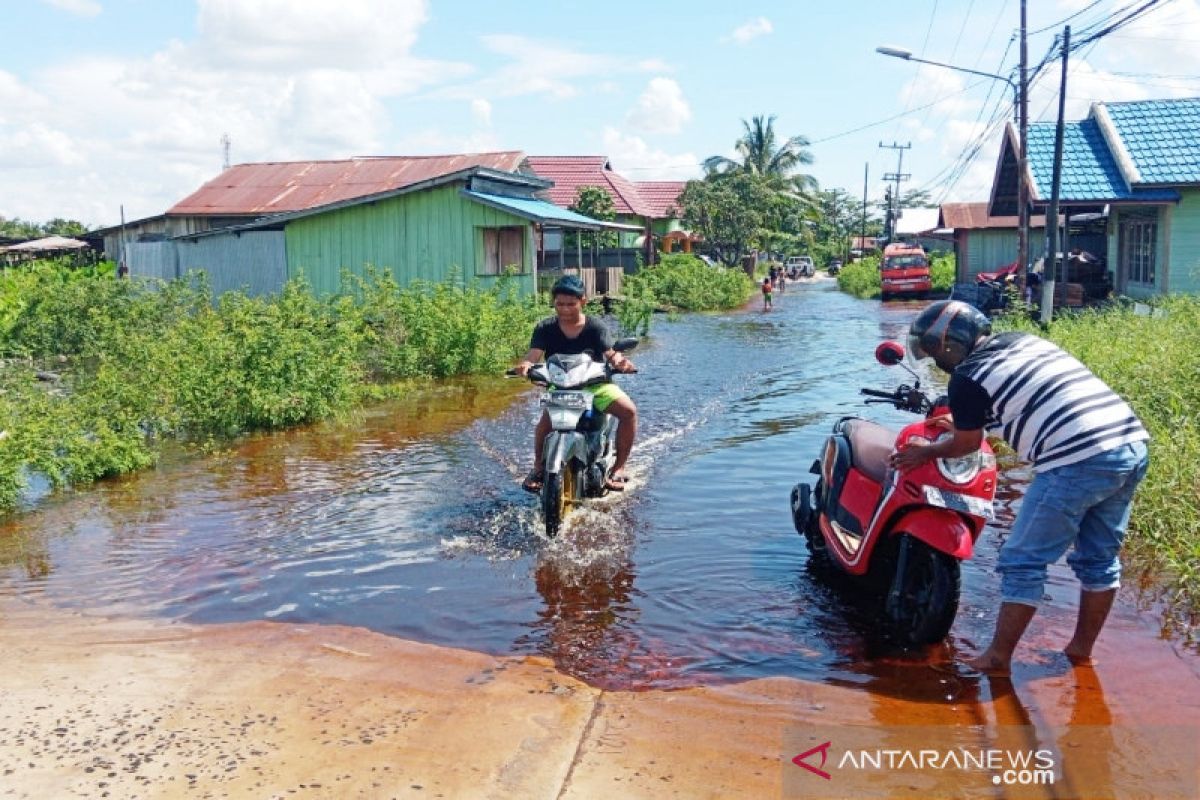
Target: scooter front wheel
922, 600
560, 491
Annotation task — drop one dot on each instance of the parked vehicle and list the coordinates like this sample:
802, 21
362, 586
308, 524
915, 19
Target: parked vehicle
901, 535
803, 266
835, 266
581, 448
904, 271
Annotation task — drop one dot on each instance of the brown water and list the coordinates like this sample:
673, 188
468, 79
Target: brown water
408, 520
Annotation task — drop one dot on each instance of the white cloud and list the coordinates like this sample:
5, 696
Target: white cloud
638, 161
750, 30
83, 8
481, 110
662, 108
538, 66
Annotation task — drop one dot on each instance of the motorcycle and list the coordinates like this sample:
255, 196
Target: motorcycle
901, 534
580, 450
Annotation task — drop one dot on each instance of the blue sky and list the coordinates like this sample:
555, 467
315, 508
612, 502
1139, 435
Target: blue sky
111, 102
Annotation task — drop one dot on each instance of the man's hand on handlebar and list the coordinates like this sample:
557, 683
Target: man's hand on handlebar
620, 363
521, 369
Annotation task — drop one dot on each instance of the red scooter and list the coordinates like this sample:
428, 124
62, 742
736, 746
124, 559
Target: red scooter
903, 533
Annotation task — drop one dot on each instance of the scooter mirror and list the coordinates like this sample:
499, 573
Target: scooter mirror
889, 353
630, 343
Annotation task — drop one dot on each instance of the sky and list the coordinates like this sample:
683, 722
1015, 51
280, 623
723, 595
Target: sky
107, 104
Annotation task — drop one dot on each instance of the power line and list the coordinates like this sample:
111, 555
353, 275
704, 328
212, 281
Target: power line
1055, 26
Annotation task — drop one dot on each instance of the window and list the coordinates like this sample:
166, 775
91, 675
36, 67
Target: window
503, 248
1139, 234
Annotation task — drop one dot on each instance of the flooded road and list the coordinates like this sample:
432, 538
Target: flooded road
408, 520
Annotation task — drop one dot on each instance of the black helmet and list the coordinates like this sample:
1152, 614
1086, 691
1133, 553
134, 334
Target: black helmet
947, 332
568, 284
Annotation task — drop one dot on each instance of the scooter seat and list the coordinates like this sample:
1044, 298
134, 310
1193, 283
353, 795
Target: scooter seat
870, 446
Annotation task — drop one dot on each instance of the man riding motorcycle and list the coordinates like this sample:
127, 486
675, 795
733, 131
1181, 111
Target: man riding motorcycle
568, 332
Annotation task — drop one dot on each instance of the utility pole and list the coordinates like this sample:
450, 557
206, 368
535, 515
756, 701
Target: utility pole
1050, 263
896, 176
225, 144
862, 237
1022, 162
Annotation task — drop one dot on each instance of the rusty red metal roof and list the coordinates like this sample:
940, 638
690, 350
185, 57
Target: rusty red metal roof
661, 197
964, 216
570, 173
274, 187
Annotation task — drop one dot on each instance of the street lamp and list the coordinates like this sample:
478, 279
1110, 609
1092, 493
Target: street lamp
1022, 199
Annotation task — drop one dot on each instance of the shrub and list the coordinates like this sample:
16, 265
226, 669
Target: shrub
685, 283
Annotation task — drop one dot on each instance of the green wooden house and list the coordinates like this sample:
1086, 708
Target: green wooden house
475, 223
1137, 164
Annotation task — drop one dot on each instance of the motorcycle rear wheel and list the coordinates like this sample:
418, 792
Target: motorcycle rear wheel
922, 601
560, 491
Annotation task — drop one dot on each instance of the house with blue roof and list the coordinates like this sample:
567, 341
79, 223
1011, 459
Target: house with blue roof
1138, 163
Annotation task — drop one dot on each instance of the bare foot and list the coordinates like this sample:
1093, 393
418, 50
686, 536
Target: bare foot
1079, 658
989, 664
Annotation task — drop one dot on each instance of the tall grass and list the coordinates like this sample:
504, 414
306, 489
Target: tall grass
141, 361
1152, 362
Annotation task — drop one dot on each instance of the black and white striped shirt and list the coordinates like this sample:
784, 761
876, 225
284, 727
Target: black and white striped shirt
1041, 400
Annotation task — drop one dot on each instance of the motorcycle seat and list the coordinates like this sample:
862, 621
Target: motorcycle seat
870, 446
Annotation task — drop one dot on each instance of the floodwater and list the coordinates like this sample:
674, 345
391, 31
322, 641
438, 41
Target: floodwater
408, 520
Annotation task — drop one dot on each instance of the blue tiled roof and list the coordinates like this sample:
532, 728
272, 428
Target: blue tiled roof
1162, 137
1089, 171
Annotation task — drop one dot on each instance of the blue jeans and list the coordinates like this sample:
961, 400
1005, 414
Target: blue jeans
1086, 504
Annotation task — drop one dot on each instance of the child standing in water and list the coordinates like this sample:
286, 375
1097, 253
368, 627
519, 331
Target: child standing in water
766, 293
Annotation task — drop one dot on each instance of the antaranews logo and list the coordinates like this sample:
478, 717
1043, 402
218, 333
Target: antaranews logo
1008, 767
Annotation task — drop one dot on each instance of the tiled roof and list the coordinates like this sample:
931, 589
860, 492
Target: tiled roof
1089, 171
1162, 138
661, 197
275, 187
570, 173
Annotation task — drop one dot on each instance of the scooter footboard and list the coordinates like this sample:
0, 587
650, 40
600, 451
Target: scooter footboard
940, 529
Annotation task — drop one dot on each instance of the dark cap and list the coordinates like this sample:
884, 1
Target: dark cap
568, 284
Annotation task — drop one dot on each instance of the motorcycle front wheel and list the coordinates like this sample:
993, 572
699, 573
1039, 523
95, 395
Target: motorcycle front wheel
922, 600
560, 491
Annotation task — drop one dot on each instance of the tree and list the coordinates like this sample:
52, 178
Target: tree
17, 228
917, 198
594, 202
761, 154
736, 213
64, 227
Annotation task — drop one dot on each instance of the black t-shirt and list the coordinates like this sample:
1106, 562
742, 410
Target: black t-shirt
970, 405
594, 339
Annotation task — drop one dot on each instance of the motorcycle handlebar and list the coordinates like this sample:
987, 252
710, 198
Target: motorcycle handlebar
878, 393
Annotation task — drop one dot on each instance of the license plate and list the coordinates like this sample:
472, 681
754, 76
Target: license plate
567, 400
967, 504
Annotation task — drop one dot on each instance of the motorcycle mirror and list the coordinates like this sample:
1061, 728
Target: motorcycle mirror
625, 344
889, 353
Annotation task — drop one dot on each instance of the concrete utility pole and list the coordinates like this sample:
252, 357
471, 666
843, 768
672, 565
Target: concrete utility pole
862, 238
1050, 263
1022, 162
896, 176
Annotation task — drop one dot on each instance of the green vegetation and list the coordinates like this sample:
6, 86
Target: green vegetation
680, 282
861, 278
141, 361
1151, 362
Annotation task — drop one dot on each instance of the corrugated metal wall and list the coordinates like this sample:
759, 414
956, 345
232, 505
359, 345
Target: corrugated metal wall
253, 261
419, 236
987, 250
152, 260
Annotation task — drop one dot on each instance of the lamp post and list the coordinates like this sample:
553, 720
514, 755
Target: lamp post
1022, 197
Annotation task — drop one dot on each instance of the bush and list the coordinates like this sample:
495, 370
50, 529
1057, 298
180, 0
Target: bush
147, 359
860, 278
685, 283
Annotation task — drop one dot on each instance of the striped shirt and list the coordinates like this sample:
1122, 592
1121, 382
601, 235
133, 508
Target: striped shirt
1041, 400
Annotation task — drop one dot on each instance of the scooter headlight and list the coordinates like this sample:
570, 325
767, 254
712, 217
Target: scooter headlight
963, 469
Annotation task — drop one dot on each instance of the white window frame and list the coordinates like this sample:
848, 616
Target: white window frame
1138, 244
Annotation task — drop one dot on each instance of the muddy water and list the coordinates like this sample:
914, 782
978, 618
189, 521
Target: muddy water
408, 520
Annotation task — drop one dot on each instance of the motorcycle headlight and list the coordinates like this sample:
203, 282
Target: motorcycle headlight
963, 469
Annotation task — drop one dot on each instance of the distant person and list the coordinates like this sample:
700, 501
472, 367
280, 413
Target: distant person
1087, 448
766, 293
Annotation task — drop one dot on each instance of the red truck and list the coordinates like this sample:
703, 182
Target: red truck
904, 270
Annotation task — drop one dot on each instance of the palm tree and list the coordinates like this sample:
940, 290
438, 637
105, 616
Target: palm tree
761, 156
